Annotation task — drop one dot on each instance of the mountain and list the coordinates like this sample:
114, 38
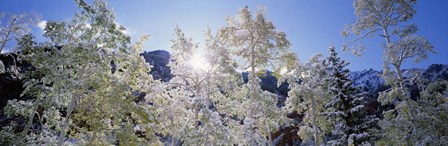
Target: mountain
368, 80
436, 72
158, 60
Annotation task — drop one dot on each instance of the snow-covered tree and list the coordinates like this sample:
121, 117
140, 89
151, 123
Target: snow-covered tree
255, 44
431, 128
2, 67
83, 82
346, 111
382, 17
16, 26
433, 110
390, 19
189, 115
307, 96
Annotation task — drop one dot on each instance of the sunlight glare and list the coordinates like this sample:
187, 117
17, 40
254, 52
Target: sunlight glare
199, 62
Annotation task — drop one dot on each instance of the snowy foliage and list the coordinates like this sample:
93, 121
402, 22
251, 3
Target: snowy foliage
255, 43
2, 67
77, 96
432, 107
402, 43
375, 16
15, 27
87, 84
185, 108
307, 96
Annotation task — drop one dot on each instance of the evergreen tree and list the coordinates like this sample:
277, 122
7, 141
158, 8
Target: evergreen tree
346, 111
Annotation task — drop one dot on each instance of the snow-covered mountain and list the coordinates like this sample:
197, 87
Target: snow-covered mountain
368, 80
436, 71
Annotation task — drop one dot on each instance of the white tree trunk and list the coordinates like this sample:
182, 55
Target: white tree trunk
29, 123
269, 134
173, 141
7, 35
315, 126
400, 81
70, 109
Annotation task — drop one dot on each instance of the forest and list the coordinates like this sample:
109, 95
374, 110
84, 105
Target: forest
90, 83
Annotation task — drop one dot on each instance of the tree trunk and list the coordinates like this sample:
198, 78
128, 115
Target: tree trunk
196, 110
29, 123
400, 81
406, 98
251, 79
207, 97
7, 35
269, 134
173, 141
315, 126
70, 109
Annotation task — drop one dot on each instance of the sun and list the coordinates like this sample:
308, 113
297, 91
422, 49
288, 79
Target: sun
199, 62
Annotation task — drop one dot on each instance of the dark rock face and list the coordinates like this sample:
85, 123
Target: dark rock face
287, 136
436, 72
269, 83
10, 85
159, 60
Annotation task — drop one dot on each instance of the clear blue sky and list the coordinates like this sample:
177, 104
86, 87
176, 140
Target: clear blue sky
311, 25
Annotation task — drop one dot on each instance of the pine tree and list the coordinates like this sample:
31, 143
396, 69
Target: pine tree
346, 111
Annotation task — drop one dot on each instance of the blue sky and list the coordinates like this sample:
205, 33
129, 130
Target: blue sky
311, 25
